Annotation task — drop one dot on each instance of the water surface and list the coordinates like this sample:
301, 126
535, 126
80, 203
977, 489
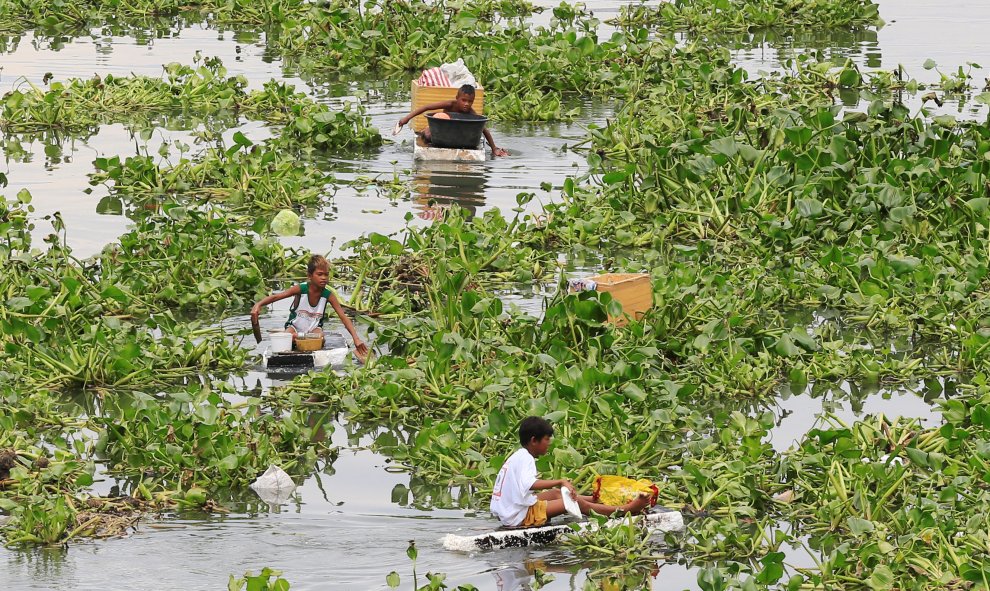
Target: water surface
348, 525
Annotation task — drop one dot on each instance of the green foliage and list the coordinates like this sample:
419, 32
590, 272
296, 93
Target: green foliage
707, 16
78, 105
195, 438
786, 240
268, 579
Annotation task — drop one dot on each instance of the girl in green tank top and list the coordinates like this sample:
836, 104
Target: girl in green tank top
309, 307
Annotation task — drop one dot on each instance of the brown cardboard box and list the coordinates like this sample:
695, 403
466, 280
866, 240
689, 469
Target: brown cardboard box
633, 290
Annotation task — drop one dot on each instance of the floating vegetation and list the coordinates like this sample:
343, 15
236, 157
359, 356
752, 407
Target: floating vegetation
244, 178
788, 242
706, 16
81, 104
268, 579
194, 440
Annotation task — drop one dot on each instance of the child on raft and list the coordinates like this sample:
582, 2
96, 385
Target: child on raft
309, 307
514, 501
463, 103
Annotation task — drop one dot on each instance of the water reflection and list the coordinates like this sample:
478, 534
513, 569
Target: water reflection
798, 411
518, 569
437, 186
769, 48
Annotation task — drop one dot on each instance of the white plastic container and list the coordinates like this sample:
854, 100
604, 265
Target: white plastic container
281, 342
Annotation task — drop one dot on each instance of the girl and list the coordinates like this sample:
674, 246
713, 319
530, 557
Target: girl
309, 307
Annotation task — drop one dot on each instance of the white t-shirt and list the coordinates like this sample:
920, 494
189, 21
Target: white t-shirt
512, 497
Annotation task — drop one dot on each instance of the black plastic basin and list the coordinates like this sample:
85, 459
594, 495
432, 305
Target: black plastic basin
462, 130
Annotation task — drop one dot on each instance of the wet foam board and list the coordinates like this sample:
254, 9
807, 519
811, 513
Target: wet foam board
659, 520
424, 152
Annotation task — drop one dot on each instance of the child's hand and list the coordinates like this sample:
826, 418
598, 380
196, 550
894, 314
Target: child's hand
499, 152
569, 486
361, 350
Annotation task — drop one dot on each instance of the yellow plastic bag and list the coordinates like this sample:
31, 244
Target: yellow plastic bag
619, 490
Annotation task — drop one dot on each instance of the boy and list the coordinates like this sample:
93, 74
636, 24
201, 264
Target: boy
463, 103
513, 500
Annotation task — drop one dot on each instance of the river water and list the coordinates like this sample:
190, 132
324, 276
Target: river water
348, 526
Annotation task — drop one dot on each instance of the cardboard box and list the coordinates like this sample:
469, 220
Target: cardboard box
424, 95
633, 290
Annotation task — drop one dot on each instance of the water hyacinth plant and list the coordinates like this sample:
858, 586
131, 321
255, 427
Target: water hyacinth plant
790, 243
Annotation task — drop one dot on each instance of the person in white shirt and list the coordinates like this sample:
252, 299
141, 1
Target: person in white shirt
514, 501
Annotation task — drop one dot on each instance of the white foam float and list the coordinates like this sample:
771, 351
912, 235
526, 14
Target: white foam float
659, 520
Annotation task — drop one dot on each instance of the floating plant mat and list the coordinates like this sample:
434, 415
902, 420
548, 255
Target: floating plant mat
742, 199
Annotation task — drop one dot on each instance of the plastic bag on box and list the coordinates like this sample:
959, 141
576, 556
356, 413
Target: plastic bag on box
458, 74
619, 490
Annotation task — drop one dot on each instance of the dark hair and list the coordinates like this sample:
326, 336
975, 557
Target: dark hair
531, 427
316, 262
466, 89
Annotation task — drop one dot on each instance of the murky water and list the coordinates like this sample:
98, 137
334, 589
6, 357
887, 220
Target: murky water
348, 525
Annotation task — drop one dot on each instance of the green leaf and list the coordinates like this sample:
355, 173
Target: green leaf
917, 456
929, 64
208, 414
241, 140
903, 264
634, 392
859, 526
568, 456
849, 77
809, 207
881, 579
392, 579
614, 177
945, 120
785, 346
228, 463
903, 213
979, 204
114, 293
497, 422
724, 145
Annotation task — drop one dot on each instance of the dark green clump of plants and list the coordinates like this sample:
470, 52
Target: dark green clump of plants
708, 16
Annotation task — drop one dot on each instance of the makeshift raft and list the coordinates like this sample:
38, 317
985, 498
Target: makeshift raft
333, 353
424, 151
659, 520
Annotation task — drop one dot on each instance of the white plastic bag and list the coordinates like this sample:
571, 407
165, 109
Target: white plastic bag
331, 357
458, 74
274, 486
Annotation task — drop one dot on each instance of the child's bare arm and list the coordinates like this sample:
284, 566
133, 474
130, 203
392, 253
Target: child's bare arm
292, 291
359, 346
562, 483
496, 151
441, 106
